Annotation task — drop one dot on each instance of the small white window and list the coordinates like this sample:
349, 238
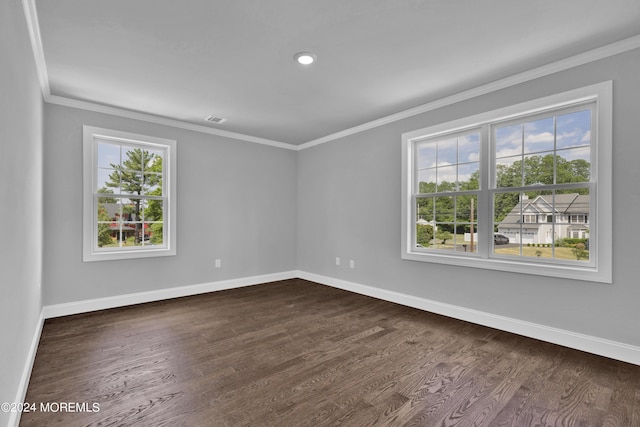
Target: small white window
129, 195
506, 189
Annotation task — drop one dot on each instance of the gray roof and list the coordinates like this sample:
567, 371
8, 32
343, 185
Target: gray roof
565, 204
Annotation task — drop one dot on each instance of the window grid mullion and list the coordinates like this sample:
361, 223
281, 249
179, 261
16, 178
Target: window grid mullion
485, 210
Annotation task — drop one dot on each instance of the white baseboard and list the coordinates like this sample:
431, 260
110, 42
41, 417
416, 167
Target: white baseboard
600, 346
603, 347
14, 417
77, 307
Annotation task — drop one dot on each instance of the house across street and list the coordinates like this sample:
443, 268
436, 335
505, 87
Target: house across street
542, 221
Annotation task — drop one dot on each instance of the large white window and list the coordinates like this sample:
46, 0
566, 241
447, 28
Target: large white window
525, 188
129, 195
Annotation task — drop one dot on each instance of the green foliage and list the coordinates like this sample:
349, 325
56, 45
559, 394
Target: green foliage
156, 233
570, 242
130, 177
153, 212
424, 234
137, 175
444, 236
105, 190
580, 251
445, 209
537, 170
104, 234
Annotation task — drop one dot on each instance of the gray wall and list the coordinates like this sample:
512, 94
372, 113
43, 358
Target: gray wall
20, 199
349, 206
236, 202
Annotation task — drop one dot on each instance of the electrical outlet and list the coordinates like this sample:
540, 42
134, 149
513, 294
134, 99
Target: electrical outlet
352, 264
218, 263
337, 260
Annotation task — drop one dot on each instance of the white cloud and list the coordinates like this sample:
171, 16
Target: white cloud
586, 137
509, 151
544, 137
473, 157
445, 163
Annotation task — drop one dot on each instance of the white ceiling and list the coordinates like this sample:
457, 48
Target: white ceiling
188, 59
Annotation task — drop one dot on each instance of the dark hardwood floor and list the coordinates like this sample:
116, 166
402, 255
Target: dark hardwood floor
296, 353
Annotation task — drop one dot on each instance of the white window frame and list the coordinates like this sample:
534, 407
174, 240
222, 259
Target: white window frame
599, 267
91, 137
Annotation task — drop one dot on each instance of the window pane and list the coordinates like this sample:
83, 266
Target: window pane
132, 158
573, 165
469, 148
509, 172
133, 234
573, 129
543, 224
574, 223
131, 183
469, 176
539, 136
444, 209
507, 223
152, 184
508, 141
108, 181
427, 181
108, 155
107, 209
154, 233
538, 169
153, 210
154, 161
467, 223
466, 209
447, 152
426, 155
131, 210
447, 178
425, 209
424, 224
424, 234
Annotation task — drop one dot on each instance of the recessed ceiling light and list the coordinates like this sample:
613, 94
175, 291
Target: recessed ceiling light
305, 58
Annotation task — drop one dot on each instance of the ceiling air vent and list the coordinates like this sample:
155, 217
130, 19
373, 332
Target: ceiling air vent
215, 120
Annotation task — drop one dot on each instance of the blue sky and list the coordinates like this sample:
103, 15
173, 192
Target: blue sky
457, 156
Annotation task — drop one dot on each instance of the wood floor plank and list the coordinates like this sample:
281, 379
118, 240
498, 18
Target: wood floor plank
296, 353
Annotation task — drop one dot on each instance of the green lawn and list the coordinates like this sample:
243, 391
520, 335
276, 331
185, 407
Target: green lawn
560, 252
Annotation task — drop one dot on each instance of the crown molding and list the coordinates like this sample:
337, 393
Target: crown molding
535, 73
545, 70
33, 26
136, 115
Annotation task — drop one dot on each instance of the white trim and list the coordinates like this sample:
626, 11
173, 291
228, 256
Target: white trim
14, 417
599, 271
545, 70
136, 115
603, 347
33, 26
89, 156
65, 309
600, 346
535, 73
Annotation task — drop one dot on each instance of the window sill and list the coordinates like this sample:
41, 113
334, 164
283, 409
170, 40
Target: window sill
127, 254
575, 272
